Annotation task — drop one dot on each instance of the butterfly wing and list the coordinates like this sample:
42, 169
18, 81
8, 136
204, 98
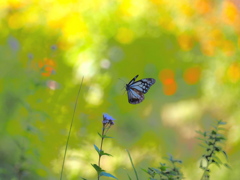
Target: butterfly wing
136, 90
135, 96
143, 85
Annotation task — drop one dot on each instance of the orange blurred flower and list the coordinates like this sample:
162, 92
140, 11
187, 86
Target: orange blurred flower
208, 47
192, 75
48, 67
203, 6
169, 83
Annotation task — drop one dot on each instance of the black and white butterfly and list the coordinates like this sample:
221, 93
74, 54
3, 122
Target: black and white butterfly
136, 90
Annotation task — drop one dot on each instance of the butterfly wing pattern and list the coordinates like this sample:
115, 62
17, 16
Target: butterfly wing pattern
137, 89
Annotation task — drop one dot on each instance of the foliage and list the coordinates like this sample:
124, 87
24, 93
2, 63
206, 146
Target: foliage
166, 172
211, 142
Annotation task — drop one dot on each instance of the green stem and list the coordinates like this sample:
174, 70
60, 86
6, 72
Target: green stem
70, 129
99, 156
132, 164
202, 178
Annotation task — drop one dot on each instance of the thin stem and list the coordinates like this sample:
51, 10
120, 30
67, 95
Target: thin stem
202, 178
132, 164
100, 151
70, 129
99, 155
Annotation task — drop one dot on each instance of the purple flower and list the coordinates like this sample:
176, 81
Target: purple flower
53, 47
107, 119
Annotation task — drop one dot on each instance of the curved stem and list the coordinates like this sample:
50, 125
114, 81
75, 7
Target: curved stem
70, 129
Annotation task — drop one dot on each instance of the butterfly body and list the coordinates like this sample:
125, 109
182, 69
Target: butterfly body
137, 89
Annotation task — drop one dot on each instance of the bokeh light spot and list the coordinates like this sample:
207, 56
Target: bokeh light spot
75, 27
168, 81
233, 72
15, 4
185, 42
125, 35
95, 95
105, 63
228, 48
230, 12
53, 85
166, 76
192, 75
15, 21
170, 89
203, 6
208, 47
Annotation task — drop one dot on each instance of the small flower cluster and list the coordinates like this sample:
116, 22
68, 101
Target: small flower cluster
108, 121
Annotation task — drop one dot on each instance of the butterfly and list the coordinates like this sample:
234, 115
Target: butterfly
136, 90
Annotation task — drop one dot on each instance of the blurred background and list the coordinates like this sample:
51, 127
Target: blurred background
190, 47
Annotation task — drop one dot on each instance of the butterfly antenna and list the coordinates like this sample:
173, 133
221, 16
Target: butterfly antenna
122, 80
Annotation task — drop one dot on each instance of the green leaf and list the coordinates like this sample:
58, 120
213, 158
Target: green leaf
163, 168
178, 161
221, 122
217, 163
216, 159
103, 153
107, 175
97, 149
225, 154
219, 139
100, 135
156, 170
97, 168
217, 148
83, 178
105, 136
227, 166
213, 132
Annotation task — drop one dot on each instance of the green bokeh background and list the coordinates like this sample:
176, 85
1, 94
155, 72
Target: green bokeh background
47, 47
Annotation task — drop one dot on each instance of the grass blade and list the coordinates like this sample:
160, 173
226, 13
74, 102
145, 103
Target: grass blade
132, 164
70, 129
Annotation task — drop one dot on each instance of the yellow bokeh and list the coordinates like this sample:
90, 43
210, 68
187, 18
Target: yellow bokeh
15, 21
230, 12
203, 6
74, 26
15, 4
185, 42
125, 35
233, 73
